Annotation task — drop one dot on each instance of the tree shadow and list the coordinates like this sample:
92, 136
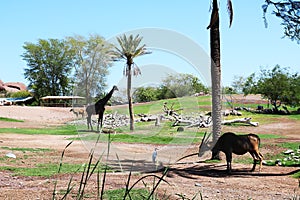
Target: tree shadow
140, 165
211, 170
186, 170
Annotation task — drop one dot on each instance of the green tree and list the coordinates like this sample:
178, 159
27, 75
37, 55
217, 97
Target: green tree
289, 12
215, 54
294, 91
183, 85
277, 85
129, 48
238, 84
49, 64
93, 58
145, 94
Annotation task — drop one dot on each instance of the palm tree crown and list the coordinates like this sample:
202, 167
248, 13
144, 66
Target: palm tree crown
130, 48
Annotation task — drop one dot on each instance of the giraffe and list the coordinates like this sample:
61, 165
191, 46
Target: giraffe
98, 108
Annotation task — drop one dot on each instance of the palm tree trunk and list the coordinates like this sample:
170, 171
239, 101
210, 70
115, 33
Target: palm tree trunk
216, 74
131, 120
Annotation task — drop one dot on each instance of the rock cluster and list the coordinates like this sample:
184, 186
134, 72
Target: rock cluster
12, 86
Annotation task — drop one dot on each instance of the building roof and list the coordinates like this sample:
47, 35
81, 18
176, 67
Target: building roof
61, 97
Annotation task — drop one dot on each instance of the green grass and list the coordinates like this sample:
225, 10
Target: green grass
156, 107
45, 170
145, 139
269, 136
296, 175
137, 194
147, 133
295, 117
290, 145
10, 119
61, 130
27, 149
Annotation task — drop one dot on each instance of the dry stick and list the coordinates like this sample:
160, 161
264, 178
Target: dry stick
105, 170
60, 165
127, 184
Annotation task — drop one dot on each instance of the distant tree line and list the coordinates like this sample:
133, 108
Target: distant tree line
278, 85
172, 86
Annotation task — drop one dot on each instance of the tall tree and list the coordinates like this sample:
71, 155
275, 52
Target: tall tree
130, 48
93, 58
183, 85
289, 12
216, 67
277, 85
238, 84
49, 64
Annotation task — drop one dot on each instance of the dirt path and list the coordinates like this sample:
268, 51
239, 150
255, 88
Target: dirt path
186, 178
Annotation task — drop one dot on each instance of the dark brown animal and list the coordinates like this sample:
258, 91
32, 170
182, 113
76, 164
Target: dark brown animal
238, 144
98, 108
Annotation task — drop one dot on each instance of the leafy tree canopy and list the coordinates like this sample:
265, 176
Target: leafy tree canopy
172, 86
184, 84
93, 58
289, 12
238, 84
49, 63
277, 85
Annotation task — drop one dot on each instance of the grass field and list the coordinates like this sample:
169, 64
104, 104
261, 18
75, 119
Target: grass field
145, 133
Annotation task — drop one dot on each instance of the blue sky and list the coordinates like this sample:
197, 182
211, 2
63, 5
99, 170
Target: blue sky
245, 47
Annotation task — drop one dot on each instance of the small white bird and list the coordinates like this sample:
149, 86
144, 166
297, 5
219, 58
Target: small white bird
154, 155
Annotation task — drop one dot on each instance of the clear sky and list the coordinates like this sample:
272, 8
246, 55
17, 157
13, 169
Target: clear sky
245, 47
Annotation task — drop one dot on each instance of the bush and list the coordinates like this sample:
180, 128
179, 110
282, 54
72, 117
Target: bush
145, 94
20, 94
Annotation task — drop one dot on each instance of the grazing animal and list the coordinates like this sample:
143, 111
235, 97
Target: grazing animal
98, 108
78, 112
238, 144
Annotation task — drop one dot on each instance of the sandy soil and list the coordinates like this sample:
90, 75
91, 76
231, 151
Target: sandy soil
185, 178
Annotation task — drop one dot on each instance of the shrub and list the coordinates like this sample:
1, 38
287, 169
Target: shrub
20, 94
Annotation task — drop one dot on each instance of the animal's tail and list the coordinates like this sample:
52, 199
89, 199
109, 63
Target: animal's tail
255, 136
258, 141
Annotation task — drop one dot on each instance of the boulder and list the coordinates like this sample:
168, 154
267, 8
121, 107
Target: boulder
16, 85
12, 86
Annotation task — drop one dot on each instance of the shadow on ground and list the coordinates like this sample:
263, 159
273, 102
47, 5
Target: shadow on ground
188, 171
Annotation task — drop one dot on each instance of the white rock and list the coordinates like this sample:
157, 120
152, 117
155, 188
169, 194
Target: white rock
289, 151
11, 155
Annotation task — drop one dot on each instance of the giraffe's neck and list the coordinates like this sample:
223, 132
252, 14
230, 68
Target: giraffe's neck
105, 99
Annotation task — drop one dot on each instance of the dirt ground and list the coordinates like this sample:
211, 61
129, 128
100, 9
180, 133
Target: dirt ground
185, 178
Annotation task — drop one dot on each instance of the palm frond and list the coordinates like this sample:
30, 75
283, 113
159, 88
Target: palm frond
214, 15
230, 11
136, 70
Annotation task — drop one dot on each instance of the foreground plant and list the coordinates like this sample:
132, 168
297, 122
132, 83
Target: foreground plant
91, 168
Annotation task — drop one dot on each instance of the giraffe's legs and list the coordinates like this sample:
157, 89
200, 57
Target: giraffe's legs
89, 121
100, 119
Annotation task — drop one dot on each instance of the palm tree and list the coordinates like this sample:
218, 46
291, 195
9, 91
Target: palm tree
216, 67
130, 48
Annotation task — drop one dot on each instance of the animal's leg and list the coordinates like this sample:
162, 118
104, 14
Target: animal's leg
89, 122
257, 156
100, 119
228, 160
98, 122
254, 161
